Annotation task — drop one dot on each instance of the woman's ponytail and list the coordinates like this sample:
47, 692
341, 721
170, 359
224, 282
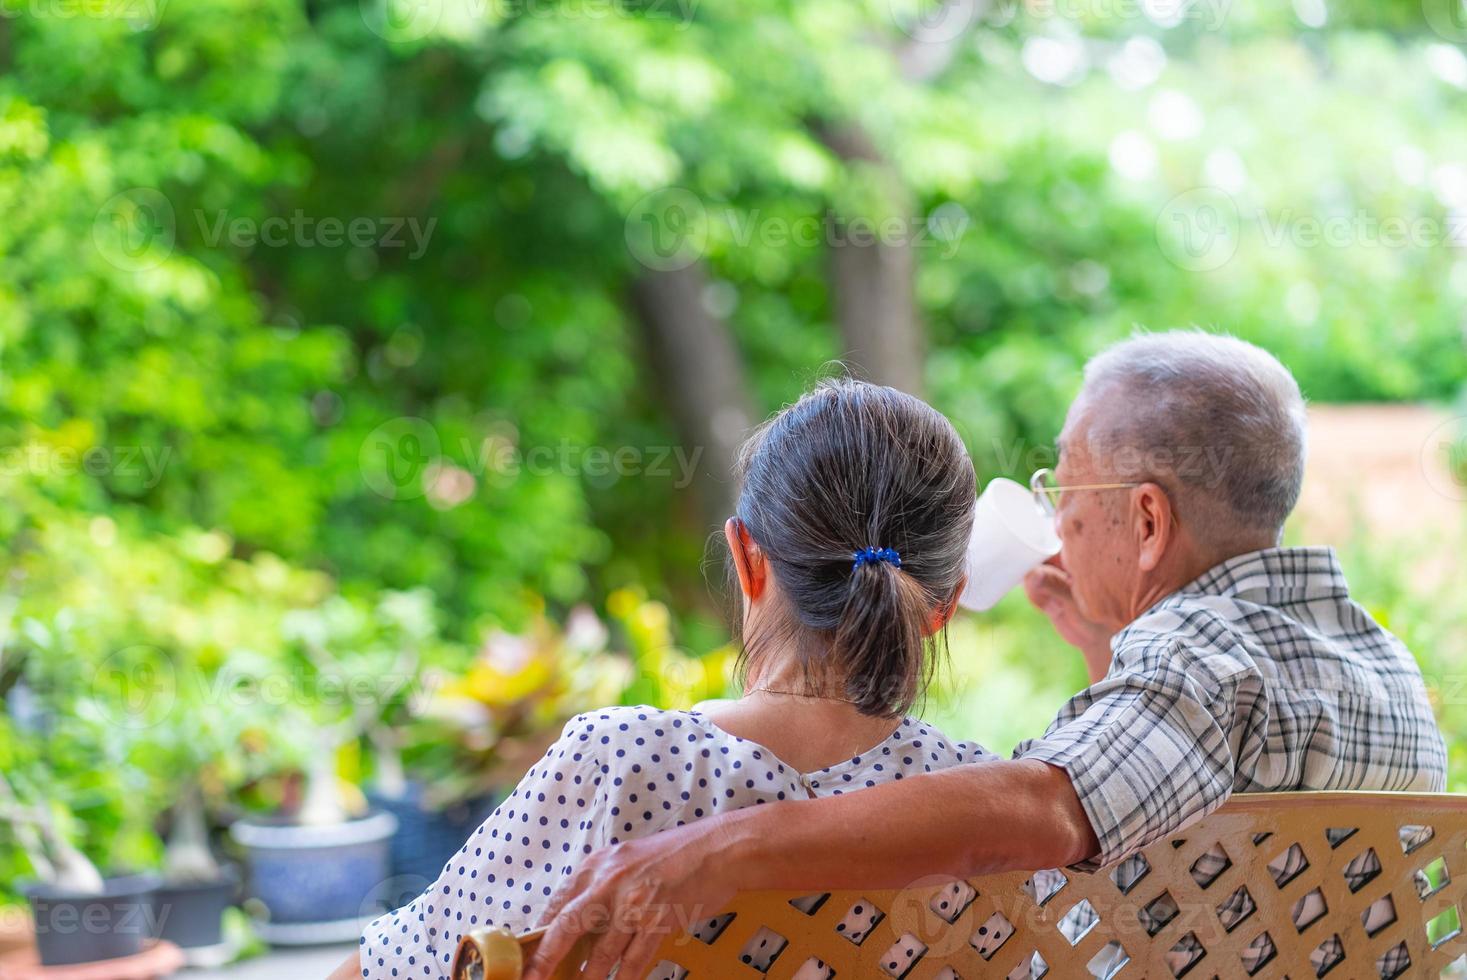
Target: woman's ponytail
881, 638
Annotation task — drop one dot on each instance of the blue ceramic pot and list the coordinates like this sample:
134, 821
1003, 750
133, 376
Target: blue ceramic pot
305, 876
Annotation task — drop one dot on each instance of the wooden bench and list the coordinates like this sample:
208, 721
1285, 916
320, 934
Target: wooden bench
1357, 885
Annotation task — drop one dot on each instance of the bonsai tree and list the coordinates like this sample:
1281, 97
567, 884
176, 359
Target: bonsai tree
349, 667
67, 888
320, 860
53, 859
194, 759
68, 786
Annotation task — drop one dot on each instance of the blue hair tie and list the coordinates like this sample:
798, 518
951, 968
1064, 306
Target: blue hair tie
870, 556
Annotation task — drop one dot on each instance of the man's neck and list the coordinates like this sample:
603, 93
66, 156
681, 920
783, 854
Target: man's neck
1187, 564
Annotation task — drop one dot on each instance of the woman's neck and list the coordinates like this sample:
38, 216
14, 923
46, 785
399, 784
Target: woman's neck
808, 720
786, 675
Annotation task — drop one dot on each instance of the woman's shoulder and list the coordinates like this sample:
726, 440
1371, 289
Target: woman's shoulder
924, 743
619, 739
642, 724
914, 747
638, 726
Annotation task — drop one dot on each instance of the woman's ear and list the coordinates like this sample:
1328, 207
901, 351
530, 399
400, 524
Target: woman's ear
944, 613
747, 558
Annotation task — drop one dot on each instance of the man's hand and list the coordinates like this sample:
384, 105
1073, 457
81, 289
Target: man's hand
890, 836
1048, 587
634, 895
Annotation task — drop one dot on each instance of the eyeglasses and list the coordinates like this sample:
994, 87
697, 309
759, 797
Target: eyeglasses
1047, 489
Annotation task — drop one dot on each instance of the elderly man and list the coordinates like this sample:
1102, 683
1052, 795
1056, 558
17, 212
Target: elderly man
1221, 662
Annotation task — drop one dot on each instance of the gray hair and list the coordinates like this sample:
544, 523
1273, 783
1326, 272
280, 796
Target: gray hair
1220, 417
849, 467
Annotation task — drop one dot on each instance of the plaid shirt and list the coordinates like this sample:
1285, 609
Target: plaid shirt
1262, 675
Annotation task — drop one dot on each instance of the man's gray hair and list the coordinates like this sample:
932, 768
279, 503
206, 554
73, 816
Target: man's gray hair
1215, 419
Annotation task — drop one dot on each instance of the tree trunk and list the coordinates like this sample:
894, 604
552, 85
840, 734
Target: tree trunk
187, 858
700, 375
872, 276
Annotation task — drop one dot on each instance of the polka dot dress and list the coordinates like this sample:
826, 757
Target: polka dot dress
614, 775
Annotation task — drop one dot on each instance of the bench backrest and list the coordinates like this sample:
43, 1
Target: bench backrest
1363, 885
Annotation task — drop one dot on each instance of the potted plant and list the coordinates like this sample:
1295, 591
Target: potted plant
317, 862
197, 888
65, 781
79, 916
192, 755
314, 866
174, 742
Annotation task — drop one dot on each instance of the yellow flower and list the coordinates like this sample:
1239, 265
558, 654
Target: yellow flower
498, 688
622, 603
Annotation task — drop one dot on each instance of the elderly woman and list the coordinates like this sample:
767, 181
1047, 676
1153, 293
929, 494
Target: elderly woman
849, 549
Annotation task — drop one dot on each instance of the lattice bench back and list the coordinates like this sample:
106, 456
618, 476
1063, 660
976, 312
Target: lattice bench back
1361, 885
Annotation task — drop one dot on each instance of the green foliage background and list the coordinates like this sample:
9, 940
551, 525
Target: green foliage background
187, 415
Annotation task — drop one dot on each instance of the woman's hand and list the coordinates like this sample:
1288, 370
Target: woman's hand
633, 896
1048, 588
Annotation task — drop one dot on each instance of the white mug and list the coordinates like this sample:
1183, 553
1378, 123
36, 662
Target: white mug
1012, 533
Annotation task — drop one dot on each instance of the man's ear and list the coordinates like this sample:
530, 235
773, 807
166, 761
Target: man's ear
1153, 520
748, 560
944, 613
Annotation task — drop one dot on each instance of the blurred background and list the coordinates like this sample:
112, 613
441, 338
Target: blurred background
370, 372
